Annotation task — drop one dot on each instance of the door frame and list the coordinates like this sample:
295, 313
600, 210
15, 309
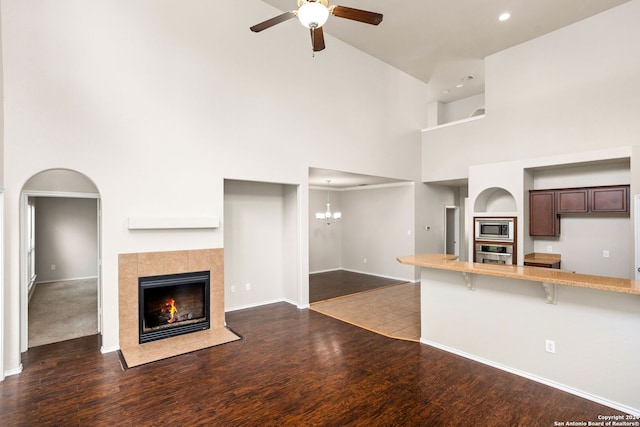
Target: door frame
24, 279
2, 261
456, 228
636, 225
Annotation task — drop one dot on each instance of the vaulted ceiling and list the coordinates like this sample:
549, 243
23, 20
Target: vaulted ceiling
443, 42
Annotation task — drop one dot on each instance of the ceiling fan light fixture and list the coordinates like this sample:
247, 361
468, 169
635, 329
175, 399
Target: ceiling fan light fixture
313, 14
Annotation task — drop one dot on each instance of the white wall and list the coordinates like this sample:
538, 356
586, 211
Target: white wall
461, 109
60, 181
505, 322
573, 90
325, 241
485, 200
634, 257
67, 237
158, 101
559, 111
378, 226
583, 238
430, 200
580, 251
590, 175
254, 242
295, 274
2, 155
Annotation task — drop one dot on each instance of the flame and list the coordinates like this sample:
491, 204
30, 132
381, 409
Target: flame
170, 307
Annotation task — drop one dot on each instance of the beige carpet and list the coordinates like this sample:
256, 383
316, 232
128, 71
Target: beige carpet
61, 311
393, 311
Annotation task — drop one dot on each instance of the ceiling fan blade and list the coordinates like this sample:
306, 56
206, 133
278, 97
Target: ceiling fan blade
273, 21
317, 39
367, 17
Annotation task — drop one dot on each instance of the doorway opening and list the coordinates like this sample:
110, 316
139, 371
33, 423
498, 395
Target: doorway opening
60, 258
452, 230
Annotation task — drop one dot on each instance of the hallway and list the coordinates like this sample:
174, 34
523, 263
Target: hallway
64, 310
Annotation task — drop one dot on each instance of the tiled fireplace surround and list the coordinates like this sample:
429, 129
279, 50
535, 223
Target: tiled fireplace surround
135, 265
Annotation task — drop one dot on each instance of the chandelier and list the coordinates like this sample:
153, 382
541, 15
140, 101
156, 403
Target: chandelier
327, 216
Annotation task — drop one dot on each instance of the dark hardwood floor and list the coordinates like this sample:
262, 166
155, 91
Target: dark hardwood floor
332, 284
293, 367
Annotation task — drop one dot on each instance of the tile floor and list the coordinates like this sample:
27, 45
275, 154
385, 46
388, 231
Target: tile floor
393, 311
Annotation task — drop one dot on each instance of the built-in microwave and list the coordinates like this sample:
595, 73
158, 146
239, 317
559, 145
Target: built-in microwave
494, 229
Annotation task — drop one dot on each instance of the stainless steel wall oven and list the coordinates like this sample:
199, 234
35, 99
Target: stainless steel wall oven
489, 253
495, 240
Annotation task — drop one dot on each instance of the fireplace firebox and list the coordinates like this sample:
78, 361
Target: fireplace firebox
173, 304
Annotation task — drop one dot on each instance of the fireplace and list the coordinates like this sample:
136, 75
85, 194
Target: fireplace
173, 304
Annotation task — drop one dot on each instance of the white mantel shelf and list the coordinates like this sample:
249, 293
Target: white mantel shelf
172, 223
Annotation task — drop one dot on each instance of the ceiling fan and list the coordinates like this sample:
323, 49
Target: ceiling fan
314, 13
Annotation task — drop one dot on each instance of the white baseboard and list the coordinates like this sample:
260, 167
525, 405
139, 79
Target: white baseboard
542, 380
325, 271
257, 304
70, 279
32, 289
401, 279
105, 350
15, 371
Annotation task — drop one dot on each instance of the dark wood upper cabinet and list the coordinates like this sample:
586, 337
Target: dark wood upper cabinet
543, 220
610, 199
573, 201
546, 206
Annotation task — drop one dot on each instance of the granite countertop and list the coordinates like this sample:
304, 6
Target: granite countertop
544, 275
542, 258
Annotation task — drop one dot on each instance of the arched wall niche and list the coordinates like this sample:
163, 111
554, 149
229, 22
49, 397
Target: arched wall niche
495, 199
60, 180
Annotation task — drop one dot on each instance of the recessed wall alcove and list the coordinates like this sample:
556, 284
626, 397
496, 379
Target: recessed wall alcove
495, 200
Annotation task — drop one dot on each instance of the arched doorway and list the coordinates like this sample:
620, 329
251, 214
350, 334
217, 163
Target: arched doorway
60, 257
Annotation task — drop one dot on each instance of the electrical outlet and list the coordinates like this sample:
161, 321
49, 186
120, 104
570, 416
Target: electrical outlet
605, 253
549, 248
233, 288
550, 346
53, 266
365, 260
247, 287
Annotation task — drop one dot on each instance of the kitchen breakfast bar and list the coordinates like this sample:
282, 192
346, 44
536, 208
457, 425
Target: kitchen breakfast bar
576, 332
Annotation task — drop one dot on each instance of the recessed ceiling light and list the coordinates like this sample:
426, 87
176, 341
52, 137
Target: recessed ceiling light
504, 16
